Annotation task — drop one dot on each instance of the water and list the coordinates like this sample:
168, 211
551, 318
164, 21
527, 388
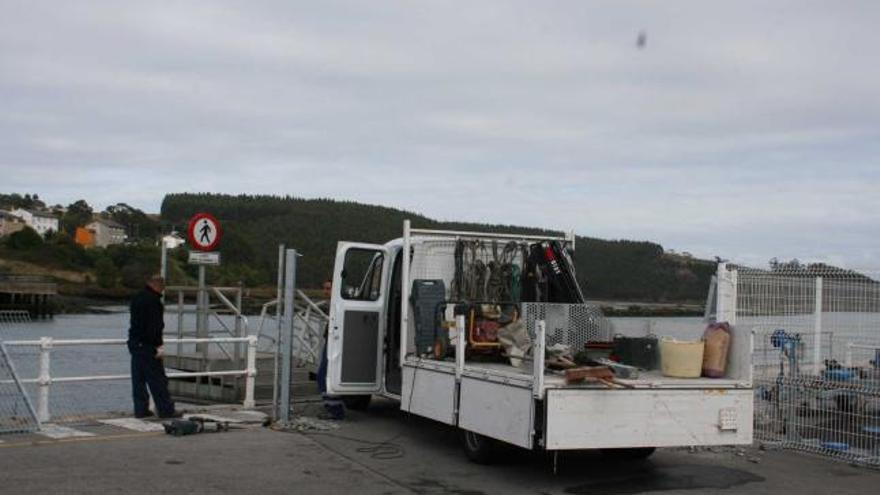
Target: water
678, 327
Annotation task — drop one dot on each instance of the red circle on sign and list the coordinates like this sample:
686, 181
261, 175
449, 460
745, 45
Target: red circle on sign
191, 232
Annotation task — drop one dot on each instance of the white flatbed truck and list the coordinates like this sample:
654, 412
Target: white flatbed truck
370, 316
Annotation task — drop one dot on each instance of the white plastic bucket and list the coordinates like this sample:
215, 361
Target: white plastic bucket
681, 359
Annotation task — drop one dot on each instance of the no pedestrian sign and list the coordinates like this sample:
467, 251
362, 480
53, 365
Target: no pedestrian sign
204, 232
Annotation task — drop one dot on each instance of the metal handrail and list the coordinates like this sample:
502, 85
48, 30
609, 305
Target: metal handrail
227, 331
46, 344
236, 311
238, 315
192, 288
311, 303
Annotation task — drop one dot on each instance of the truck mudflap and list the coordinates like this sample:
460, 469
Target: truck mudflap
589, 419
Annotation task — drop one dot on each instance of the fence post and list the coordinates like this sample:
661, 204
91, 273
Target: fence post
286, 342
460, 343
178, 357
45, 379
251, 372
817, 327
239, 329
726, 294
278, 309
538, 357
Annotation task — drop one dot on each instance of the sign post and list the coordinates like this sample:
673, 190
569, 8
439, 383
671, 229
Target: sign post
204, 233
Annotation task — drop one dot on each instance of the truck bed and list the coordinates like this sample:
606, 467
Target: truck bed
498, 400
508, 374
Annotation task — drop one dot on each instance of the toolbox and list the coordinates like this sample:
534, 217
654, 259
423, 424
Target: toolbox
640, 352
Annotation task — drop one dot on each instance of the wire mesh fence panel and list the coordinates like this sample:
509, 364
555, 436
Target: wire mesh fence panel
816, 370
17, 413
835, 412
76, 401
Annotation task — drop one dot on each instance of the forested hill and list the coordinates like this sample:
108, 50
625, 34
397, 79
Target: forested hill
255, 225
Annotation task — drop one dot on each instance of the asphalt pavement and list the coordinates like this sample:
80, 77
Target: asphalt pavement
385, 451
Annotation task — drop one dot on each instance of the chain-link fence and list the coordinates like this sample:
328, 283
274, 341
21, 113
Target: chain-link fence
816, 358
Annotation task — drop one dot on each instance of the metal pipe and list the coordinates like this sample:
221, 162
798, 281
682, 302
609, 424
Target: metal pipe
404, 294
179, 324
239, 317
461, 342
251, 372
538, 356
189, 288
311, 303
286, 340
817, 327
75, 342
202, 315
482, 235
278, 308
45, 379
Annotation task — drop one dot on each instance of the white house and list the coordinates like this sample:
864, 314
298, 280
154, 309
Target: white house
40, 221
9, 223
106, 232
173, 240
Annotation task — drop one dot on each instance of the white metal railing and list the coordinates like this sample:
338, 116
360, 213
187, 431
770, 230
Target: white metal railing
308, 336
45, 379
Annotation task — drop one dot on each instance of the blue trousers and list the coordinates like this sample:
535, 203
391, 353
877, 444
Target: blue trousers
147, 371
332, 404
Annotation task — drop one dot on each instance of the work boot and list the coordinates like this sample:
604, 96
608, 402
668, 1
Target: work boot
148, 414
175, 414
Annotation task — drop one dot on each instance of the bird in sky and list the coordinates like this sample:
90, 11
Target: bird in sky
642, 40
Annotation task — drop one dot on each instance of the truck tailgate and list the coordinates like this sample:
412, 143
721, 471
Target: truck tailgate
586, 419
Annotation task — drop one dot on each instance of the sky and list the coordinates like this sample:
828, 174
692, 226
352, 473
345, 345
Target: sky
746, 130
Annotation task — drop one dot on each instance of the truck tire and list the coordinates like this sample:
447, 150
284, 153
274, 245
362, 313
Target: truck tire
478, 448
631, 453
357, 402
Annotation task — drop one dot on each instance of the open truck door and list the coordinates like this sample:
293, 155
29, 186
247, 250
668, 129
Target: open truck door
357, 319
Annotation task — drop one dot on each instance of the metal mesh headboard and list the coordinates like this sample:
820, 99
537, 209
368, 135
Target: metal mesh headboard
570, 324
434, 258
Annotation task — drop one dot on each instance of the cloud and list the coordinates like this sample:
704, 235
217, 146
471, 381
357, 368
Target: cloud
742, 129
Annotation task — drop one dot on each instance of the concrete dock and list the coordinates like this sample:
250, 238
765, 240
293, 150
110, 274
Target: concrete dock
32, 293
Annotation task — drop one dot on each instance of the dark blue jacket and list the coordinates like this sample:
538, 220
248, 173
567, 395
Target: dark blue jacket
147, 321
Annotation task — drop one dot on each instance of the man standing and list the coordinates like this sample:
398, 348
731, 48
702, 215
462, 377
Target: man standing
145, 345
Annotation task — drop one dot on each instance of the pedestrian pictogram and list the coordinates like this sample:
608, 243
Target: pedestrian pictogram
204, 232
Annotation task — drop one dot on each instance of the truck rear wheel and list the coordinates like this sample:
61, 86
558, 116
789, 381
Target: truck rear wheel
478, 448
631, 453
357, 402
